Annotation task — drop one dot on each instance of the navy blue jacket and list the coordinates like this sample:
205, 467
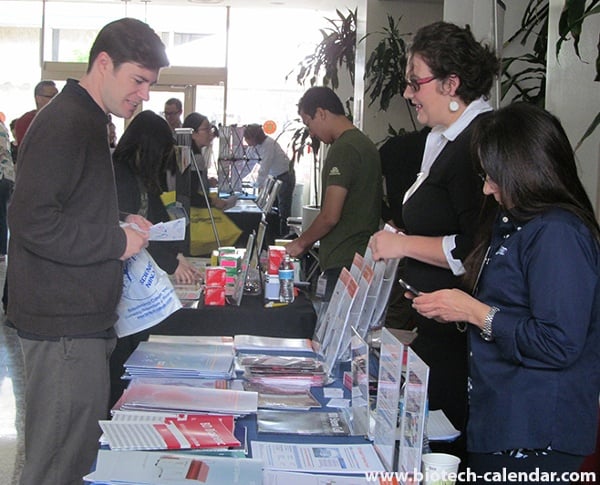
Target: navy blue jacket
537, 383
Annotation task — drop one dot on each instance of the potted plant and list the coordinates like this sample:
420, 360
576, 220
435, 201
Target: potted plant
527, 73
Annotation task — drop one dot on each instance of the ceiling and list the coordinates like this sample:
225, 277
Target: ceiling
310, 4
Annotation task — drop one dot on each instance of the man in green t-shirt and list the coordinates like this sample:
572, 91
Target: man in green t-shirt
352, 186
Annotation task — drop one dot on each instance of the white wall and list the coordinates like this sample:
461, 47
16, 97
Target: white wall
573, 96
415, 14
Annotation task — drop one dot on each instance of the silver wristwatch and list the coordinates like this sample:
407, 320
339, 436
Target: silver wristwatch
486, 331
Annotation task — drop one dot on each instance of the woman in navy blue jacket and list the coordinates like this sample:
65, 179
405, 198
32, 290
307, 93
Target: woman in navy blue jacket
534, 332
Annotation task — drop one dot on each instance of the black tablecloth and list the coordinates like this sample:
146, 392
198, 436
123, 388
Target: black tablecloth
251, 317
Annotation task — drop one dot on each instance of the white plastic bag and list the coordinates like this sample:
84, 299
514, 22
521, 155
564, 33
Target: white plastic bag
148, 295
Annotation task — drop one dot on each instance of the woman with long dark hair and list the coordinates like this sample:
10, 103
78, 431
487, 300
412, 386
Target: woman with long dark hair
534, 313
141, 159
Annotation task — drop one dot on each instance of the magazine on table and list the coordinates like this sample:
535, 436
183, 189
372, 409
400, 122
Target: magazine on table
144, 396
181, 431
152, 468
283, 397
355, 459
256, 342
322, 423
178, 359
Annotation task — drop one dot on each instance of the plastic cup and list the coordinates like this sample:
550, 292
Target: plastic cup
440, 469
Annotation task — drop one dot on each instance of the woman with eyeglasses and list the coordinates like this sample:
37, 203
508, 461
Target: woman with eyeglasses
141, 159
450, 76
534, 317
202, 137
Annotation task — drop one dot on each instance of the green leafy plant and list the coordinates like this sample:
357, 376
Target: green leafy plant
336, 49
385, 70
571, 24
527, 73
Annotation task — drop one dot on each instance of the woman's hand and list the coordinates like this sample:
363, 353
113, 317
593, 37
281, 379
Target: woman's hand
451, 305
185, 274
387, 245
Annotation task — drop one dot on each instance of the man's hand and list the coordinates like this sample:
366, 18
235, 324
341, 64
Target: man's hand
295, 248
136, 241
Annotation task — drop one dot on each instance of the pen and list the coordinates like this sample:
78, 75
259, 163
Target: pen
275, 304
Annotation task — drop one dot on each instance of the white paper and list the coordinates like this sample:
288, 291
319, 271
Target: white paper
168, 231
439, 427
353, 459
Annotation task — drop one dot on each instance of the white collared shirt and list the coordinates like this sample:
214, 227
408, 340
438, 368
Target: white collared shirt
437, 139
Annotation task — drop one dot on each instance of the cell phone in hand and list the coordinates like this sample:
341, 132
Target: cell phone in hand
409, 288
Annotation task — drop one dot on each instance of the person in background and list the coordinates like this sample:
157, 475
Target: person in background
400, 163
112, 133
43, 93
141, 159
534, 313
449, 78
202, 138
67, 249
273, 161
173, 112
14, 148
351, 182
7, 181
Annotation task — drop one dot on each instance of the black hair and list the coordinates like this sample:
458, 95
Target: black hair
255, 133
525, 151
448, 49
320, 97
176, 102
129, 40
39, 87
194, 121
147, 147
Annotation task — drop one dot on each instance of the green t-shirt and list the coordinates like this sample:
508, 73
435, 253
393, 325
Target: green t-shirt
352, 162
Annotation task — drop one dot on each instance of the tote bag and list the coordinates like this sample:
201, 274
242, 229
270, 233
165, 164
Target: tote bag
148, 295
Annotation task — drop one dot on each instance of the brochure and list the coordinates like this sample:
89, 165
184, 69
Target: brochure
143, 396
171, 433
151, 468
183, 360
322, 423
355, 459
256, 342
283, 397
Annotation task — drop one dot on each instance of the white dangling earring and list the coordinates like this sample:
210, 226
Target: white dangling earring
453, 106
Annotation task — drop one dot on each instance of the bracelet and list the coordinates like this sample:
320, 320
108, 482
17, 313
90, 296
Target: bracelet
486, 331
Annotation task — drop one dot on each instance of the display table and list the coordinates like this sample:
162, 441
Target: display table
247, 216
296, 320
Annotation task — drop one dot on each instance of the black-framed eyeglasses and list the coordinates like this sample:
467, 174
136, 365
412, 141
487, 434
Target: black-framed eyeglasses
415, 83
172, 113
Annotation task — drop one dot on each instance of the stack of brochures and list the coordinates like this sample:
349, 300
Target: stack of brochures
152, 468
144, 395
282, 369
175, 359
164, 431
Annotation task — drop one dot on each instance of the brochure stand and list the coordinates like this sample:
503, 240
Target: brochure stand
388, 396
234, 162
413, 409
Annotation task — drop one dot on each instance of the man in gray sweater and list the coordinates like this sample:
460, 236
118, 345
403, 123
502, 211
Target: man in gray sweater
66, 252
